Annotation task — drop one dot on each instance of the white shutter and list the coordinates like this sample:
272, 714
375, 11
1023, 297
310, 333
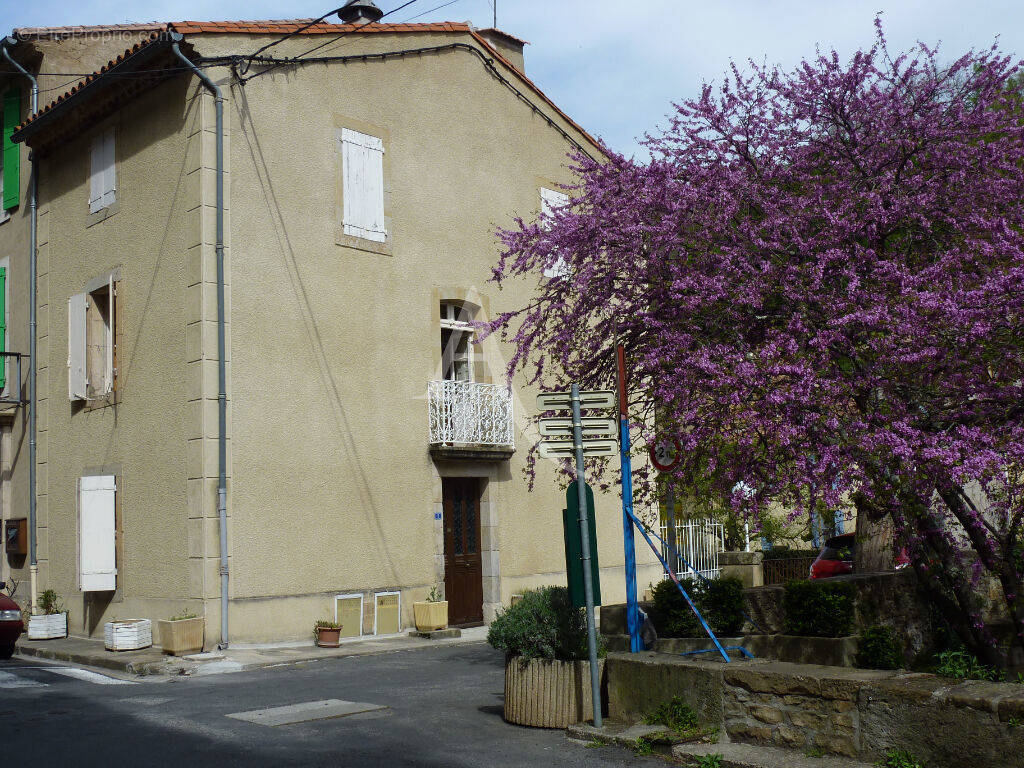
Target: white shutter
108, 373
549, 200
109, 168
97, 534
362, 164
77, 379
102, 176
96, 174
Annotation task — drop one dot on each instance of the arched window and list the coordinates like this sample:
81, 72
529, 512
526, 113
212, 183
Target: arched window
456, 341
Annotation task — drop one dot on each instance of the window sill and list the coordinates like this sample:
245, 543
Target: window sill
362, 244
103, 214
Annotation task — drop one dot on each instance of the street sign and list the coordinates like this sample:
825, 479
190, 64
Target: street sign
574, 547
561, 429
563, 449
666, 453
555, 401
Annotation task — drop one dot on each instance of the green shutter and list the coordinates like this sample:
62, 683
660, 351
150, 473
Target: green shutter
12, 151
3, 326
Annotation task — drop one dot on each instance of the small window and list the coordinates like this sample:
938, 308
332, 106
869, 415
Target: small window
97, 533
362, 164
103, 175
456, 342
92, 343
549, 201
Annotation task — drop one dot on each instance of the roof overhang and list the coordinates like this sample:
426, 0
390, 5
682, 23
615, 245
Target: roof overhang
132, 73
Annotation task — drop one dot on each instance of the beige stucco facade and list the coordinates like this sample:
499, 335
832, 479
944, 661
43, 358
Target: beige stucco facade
332, 488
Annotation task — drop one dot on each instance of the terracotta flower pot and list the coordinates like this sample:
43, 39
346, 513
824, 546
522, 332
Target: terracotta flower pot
430, 616
547, 693
328, 638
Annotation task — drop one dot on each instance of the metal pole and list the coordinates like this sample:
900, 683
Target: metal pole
632, 611
588, 583
670, 516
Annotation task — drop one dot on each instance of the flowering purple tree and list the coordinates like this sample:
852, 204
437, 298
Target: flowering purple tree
819, 279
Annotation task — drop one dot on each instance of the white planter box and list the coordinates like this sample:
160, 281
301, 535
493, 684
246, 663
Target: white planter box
128, 634
47, 626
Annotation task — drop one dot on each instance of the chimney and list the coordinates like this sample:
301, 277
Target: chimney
509, 47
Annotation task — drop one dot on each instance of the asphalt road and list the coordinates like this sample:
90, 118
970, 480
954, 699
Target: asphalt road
443, 708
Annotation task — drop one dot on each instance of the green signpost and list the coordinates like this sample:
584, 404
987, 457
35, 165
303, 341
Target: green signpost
574, 547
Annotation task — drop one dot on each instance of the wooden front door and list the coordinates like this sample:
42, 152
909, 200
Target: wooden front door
463, 576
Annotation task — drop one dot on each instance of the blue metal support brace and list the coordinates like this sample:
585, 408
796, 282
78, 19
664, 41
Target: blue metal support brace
632, 609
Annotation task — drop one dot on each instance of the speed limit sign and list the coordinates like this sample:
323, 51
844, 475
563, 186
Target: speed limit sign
666, 453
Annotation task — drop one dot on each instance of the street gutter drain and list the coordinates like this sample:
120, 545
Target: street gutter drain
305, 712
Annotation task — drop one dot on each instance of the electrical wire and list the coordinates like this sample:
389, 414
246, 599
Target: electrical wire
253, 56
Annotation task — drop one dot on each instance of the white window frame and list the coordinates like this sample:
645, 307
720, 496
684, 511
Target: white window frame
450, 311
386, 594
362, 607
358, 148
549, 200
82, 378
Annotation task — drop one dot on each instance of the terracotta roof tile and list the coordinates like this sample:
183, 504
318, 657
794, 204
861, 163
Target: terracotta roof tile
278, 27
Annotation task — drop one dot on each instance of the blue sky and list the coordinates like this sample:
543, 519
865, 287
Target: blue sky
614, 65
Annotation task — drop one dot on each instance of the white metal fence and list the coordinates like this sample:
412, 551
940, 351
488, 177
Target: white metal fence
467, 412
698, 542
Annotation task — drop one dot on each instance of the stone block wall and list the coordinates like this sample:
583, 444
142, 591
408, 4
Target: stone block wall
841, 711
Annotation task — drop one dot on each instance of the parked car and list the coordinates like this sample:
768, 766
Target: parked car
11, 625
835, 558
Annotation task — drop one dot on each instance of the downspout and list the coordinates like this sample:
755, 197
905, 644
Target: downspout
33, 566
222, 397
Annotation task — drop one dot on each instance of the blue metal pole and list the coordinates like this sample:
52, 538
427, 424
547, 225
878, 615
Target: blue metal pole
632, 611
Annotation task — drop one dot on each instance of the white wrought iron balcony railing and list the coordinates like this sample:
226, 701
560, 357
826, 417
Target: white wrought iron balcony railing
469, 413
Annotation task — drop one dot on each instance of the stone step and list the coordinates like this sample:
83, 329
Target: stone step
735, 755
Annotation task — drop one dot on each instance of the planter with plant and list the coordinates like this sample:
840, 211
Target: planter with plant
327, 633
182, 634
51, 620
547, 675
431, 614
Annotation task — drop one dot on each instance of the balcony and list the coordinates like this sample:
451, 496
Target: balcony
470, 420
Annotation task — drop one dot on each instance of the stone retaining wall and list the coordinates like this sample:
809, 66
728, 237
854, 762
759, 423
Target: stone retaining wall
841, 711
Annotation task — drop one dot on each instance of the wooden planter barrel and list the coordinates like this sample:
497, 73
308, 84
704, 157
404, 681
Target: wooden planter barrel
547, 693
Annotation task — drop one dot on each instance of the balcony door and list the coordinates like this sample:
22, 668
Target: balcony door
463, 574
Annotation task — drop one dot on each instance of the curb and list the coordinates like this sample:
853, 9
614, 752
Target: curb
129, 666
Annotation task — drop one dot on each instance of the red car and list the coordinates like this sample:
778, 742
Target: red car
11, 625
835, 558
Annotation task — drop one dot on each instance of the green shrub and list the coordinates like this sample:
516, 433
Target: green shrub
543, 624
49, 603
878, 648
897, 758
963, 666
710, 761
674, 714
818, 608
720, 601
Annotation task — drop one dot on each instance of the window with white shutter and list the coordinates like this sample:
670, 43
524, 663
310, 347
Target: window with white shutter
362, 164
549, 201
103, 175
78, 381
97, 533
92, 342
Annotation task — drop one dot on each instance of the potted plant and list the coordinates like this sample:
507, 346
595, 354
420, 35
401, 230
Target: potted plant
127, 634
431, 614
51, 621
182, 634
547, 674
327, 633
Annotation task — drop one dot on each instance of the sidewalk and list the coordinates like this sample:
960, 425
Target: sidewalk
152, 661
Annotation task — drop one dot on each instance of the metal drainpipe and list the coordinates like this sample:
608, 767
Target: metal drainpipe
33, 567
222, 398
